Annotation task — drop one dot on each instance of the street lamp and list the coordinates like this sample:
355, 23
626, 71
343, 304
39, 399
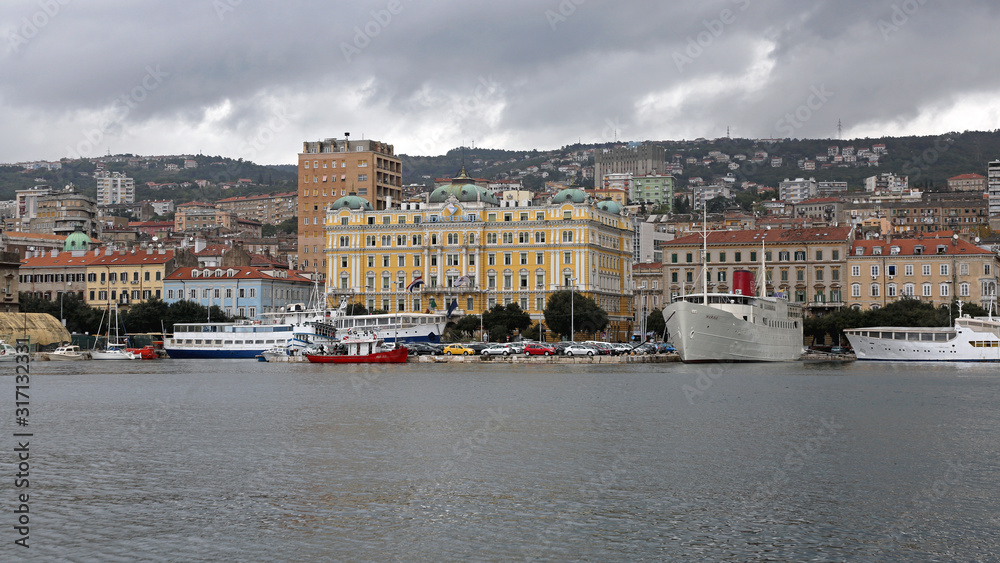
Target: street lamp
572, 320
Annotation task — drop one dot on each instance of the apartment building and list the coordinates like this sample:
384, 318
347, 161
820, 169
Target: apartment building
193, 216
993, 193
936, 270
967, 183
64, 212
268, 209
335, 168
640, 160
655, 189
804, 265
114, 188
465, 247
126, 277
798, 189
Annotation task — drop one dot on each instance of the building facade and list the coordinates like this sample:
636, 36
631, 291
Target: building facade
797, 190
804, 265
654, 190
335, 168
464, 250
642, 160
126, 277
935, 270
241, 291
269, 209
114, 188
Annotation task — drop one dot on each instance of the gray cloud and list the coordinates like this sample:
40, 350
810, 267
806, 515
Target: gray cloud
428, 76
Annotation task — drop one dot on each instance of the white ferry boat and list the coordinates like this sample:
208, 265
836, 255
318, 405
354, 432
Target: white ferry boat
245, 339
970, 340
734, 327
314, 326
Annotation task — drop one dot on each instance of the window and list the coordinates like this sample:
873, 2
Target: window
926, 289
963, 290
784, 275
753, 256
835, 274
524, 281
835, 255
507, 259
453, 238
434, 260
890, 290
539, 258
401, 261
926, 269
819, 255
508, 280
855, 290
875, 271
524, 258
722, 257
944, 269
491, 238
908, 269
567, 236
673, 277
491, 259
229, 293
945, 290
243, 292
170, 294
819, 274
722, 275
855, 271
800, 255
783, 256
523, 237
963, 269
371, 261
508, 238
385, 260
416, 260
987, 270
539, 236
567, 257
690, 257
873, 290
908, 289
800, 274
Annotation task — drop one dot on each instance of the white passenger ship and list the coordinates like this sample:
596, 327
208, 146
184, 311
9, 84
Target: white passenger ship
245, 339
970, 340
734, 327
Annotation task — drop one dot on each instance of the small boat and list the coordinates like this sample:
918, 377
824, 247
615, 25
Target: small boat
68, 352
144, 353
7, 352
114, 349
360, 347
272, 353
112, 352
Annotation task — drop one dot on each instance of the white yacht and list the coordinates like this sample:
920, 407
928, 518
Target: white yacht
972, 339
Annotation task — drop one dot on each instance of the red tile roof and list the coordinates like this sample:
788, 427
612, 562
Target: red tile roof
64, 259
967, 177
241, 273
137, 259
930, 247
748, 237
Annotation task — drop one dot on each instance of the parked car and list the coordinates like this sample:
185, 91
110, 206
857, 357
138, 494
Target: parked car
579, 350
665, 348
458, 350
423, 349
516, 347
646, 348
602, 348
538, 349
495, 350
477, 347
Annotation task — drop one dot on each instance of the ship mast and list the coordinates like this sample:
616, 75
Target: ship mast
763, 271
704, 251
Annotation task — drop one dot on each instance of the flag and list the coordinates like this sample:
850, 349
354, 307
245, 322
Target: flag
462, 281
415, 284
343, 305
452, 307
434, 304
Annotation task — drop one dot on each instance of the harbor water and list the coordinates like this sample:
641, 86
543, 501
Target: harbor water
237, 460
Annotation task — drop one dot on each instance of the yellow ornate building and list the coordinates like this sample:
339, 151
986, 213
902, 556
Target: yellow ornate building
463, 247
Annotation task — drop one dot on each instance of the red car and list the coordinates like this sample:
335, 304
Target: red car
535, 349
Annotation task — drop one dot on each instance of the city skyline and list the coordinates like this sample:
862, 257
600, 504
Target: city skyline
248, 81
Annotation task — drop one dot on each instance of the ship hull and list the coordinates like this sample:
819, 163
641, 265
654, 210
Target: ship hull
708, 334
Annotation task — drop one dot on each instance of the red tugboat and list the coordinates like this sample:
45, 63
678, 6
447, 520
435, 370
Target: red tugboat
361, 347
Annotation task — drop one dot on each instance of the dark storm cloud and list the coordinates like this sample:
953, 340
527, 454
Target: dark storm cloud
428, 75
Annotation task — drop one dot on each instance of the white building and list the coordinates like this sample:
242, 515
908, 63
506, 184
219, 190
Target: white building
799, 189
993, 187
115, 187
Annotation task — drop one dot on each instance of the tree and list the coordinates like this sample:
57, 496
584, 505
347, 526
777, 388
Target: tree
502, 320
79, 316
655, 323
468, 325
681, 205
582, 313
356, 309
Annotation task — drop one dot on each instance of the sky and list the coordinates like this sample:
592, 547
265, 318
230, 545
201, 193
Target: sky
254, 79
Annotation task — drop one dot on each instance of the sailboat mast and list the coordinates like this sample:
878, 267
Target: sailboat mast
704, 250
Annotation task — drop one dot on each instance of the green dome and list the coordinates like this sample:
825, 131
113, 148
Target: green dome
463, 190
610, 205
76, 241
570, 195
352, 202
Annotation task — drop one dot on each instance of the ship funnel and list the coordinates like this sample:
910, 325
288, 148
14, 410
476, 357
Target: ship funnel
743, 283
